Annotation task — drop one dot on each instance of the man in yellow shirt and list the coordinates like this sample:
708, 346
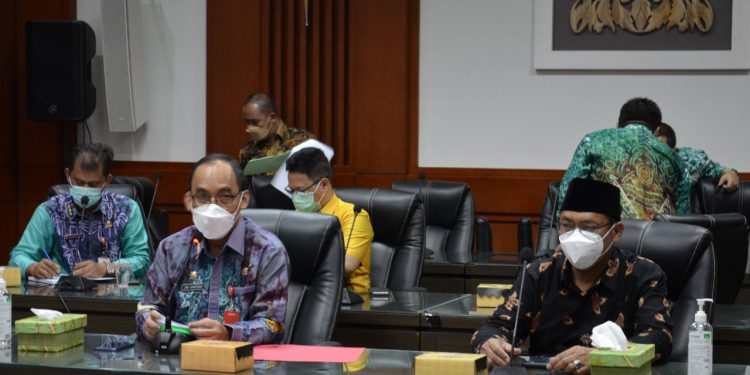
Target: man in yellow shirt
310, 183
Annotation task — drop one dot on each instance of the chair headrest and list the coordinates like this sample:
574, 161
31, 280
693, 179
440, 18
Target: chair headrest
389, 210
675, 247
122, 189
732, 219
144, 187
306, 237
713, 201
443, 199
266, 196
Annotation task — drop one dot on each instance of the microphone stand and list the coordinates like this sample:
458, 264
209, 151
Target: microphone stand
347, 296
526, 256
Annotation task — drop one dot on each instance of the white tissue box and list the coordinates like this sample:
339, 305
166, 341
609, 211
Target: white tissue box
634, 361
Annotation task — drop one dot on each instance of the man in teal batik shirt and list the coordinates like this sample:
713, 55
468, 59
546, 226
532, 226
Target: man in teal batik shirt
698, 163
110, 227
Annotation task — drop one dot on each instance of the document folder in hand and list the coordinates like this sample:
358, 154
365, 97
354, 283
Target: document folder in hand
266, 164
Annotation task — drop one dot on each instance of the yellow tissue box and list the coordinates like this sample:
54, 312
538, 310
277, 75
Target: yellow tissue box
491, 295
450, 363
50, 342
11, 275
68, 357
635, 360
56, 335
216, 356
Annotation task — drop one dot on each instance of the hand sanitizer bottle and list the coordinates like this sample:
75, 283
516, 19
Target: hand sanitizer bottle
5, 311
700, 343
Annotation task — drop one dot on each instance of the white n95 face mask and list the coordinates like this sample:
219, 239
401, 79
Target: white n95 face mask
213, 221
583, 248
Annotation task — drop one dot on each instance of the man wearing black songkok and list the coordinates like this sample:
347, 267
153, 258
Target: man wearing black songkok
589, 282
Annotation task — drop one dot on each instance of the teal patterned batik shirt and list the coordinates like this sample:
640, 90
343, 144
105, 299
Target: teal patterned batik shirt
648, 173
699, 165
253, 261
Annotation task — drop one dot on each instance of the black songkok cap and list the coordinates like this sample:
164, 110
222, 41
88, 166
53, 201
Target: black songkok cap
586, 195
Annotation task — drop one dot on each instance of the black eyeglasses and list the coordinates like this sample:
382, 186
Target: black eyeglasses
292, 191
203, 197
567, 227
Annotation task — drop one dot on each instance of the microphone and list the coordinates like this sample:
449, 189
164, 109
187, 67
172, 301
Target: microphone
159, 175
357, 210
551, 222
170, 340
526, 256
194, 242
524, 233
348, 297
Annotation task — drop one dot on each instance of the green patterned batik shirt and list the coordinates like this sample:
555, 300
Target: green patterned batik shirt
699, 165
648, 173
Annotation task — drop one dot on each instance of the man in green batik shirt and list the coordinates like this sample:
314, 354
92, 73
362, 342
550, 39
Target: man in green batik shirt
648, 173
698, 163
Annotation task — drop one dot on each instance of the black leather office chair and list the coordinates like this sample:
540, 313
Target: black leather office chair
398, 246
263, 195
449, 212
547, 238
316, 254
157, 224
707, 199
686, 254
730, 239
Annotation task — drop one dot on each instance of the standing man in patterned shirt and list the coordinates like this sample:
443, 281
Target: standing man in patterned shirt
647, 172
70, 234
269, 135
590, 282
698, 163
223, 263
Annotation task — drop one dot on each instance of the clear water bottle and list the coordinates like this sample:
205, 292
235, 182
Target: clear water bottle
5, 311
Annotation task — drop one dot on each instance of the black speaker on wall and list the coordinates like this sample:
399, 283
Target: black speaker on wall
58, 70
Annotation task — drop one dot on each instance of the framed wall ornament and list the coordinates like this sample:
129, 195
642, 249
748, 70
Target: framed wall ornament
641, 35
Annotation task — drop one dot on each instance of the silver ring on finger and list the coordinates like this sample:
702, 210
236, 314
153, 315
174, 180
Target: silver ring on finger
577, 364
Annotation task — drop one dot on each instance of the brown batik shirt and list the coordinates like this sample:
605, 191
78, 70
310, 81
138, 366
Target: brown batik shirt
285, 139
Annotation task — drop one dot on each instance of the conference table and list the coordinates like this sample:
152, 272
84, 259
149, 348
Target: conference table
83, 359
448, 326
409, 320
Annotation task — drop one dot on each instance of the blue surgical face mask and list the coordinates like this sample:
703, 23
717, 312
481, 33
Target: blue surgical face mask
78, 192
305, 200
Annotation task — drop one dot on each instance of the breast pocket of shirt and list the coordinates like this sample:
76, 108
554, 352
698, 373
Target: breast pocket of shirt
246, 296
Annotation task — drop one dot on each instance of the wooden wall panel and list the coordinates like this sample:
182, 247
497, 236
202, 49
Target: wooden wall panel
233, 69
378, 85
8, 121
